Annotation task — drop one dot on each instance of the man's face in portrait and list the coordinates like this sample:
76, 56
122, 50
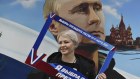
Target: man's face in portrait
87, 14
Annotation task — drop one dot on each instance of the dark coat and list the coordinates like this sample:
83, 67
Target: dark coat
84, 65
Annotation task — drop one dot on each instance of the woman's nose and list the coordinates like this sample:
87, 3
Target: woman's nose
62, 45
93, 17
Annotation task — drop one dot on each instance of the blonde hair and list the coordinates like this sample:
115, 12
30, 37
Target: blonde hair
71, 35
51, 6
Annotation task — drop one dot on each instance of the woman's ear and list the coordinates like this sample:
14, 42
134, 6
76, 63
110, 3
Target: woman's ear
54, 28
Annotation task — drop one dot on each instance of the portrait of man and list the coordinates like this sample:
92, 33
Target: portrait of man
108, 20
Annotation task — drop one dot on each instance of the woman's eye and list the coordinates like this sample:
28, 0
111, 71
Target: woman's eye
66, 42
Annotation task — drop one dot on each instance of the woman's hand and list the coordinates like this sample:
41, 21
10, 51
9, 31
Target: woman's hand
102, 76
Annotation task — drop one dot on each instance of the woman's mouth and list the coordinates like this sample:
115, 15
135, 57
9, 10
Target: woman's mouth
63, 48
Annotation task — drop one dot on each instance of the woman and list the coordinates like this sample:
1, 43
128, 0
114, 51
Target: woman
68, 41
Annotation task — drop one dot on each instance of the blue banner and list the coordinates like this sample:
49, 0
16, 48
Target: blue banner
66, 72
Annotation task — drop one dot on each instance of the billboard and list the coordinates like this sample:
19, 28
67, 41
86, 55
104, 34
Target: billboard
21, 29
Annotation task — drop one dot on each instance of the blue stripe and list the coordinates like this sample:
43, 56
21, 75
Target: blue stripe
42, 33
107, 61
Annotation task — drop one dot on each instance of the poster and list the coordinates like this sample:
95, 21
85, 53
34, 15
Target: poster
22, 21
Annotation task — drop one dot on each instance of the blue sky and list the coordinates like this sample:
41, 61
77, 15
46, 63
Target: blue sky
30, 13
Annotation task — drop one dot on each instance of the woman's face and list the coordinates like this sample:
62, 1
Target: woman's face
66, 45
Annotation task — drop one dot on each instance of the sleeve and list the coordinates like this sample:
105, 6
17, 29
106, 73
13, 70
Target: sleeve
54, 56
111, 65
113, 74
92, 74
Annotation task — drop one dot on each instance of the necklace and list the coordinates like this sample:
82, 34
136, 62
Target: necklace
75, 60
